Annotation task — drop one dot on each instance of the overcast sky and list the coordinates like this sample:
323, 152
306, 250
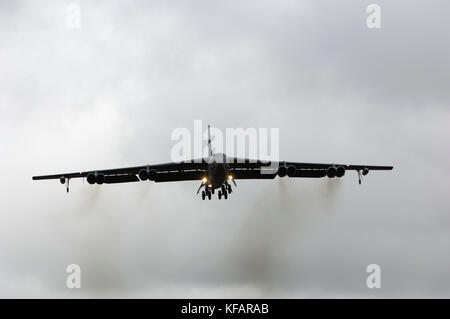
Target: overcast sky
110, 93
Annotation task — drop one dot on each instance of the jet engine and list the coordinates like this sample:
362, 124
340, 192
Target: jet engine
340, 171
152, 174
143, 174
282, 170
95, 178
331, 171
291, 170
90, 178
100, 178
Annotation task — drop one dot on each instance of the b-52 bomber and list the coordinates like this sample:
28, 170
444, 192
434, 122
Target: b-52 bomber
215, 172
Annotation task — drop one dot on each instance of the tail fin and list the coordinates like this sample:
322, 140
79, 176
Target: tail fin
210, 151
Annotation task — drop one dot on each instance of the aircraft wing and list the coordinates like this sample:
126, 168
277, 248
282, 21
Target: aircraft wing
242, 168
347, 166
239, 168
167, 172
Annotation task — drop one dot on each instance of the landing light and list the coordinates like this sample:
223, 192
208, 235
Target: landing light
204, 180
209, 185
230, 177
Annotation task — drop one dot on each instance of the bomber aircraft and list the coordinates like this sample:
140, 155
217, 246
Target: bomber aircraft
215, 172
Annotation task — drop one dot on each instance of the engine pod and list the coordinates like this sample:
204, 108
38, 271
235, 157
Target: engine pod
152, 174
340, 171
331, 171
291, 170
100, 178
143, 174
90, 178
282, 171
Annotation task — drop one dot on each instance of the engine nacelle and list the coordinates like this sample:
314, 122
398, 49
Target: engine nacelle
365, 171
91, 178
291, 170
340, 171
95, 178
62, 180
152, 174
331, 171
143, 174
282, 171
100, 178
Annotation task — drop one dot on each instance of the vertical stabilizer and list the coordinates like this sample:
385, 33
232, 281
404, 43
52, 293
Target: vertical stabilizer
210, 151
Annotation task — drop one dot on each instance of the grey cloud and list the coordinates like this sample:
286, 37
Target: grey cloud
109, 95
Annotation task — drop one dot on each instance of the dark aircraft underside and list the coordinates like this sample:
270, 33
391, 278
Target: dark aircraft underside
216, 174
217, 171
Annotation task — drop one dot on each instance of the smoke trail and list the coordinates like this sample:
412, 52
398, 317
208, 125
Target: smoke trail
278, 220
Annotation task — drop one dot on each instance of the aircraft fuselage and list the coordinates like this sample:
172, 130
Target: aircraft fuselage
217, 172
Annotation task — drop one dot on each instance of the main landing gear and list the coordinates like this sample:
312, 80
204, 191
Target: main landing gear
206, 193
222, 193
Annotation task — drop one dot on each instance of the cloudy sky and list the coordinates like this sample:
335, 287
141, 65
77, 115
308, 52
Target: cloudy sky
109, 94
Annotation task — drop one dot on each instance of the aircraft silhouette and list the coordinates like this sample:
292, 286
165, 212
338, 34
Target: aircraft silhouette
217, 171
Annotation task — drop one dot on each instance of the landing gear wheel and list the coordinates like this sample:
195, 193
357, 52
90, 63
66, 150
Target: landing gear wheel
229, 189
212, 191
224, 190
209, 195
219, 193
203, 195
225, 195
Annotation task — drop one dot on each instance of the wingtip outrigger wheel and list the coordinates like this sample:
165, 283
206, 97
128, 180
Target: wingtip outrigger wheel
67, 185
359, 177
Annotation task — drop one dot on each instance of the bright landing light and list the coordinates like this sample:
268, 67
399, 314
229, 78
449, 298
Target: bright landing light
230, 177
204, 180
